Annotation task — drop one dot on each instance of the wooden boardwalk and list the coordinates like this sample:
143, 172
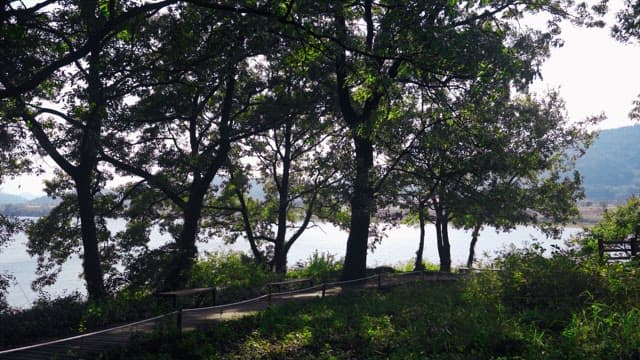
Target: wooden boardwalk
86, 346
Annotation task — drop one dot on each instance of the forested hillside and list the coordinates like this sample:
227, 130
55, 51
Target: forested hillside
611, 166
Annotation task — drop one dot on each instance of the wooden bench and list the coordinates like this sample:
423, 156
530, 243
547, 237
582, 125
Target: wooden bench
278, 285
176, 294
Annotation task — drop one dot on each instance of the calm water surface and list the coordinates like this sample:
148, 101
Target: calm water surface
398, 247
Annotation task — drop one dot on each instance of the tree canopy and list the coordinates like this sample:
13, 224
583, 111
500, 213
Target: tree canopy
335, 109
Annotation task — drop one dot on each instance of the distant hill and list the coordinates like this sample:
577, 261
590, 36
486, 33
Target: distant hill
611, 166
44, 200
14, 205
11, 199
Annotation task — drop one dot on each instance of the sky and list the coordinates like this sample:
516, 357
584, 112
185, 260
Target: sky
593, 72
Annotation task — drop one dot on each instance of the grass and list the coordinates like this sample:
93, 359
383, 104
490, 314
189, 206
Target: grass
538, 307
408, 322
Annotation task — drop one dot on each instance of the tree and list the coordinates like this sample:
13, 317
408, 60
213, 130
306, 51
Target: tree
63, 71
36, 43
294, 166
616, 225
495, 163
195, 99
380, 50
13, 160
81, 137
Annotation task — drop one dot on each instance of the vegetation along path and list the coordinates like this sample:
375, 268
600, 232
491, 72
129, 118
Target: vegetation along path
83, 346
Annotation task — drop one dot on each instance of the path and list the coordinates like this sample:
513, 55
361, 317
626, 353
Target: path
85, 346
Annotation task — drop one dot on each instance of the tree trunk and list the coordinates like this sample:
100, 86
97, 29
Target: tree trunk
442, 235
445, 261
186, 250
472, 246
86, 170
355, 262
419, 266
91, 263
280, 249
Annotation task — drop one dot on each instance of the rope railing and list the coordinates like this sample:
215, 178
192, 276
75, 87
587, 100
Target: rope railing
93, 333
320, 287
224, 306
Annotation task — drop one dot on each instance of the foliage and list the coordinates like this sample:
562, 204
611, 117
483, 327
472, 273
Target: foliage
126, 306
73, 314
615, 225
548, 288
619, 223
25, 326
321, 267
409, 266
238, 276
542, 306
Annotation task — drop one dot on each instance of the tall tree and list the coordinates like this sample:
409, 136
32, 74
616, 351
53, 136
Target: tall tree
294, 166
499, 163
379, 49
195, 100
65, 111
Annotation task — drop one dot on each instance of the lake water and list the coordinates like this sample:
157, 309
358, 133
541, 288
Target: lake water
398, 247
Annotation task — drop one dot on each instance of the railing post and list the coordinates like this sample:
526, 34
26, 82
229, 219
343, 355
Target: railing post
213, 296
601, 248
269, 296
379, 280
324, 289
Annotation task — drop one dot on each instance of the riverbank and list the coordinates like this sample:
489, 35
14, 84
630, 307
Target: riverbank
397, 248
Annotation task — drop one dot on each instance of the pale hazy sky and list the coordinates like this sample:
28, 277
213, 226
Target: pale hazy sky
593, 72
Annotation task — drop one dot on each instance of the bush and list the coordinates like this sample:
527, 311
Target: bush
601, 332
128, 305
548, 288
47, 318
236, 274
321, 267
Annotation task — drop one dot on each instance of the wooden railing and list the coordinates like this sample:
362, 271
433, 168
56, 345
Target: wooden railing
619, 250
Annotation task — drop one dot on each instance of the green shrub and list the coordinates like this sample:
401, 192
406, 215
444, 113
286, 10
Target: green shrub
321, 267
409, 265
237, 275
601, 332
128, 305
548, 289
45, 319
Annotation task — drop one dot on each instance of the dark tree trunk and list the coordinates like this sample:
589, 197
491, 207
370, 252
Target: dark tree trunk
445, 261
84, 173
419, 266
91, 264
442, 235
246, 223
186, 249
472, 246
355, 263
280, 248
